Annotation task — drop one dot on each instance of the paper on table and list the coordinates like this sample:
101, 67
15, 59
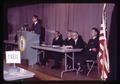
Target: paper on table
55, 46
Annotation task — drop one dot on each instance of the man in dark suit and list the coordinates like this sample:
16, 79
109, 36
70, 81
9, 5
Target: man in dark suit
38, 28
57, 41
91, 50
78, 43
92, 47
69, 43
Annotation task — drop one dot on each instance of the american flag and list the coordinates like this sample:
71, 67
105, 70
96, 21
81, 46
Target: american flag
103, 56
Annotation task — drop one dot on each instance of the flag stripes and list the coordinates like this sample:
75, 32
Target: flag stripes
103, 57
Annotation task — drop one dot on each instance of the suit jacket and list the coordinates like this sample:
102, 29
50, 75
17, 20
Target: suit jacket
59, 41
42, 34
57, 55
69, 42
93, 43
38, 29
80, 43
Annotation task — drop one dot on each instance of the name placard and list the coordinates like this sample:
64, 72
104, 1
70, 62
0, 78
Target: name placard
13, 57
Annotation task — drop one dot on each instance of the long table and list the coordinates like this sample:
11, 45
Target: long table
61, 50
10, 43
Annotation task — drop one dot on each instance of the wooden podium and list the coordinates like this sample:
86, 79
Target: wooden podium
25, 40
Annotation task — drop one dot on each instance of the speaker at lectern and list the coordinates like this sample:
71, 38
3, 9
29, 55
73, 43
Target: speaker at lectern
25, 40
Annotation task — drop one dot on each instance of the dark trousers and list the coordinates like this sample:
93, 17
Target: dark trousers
44, 58
90, 55
69, 61
79, 58
83, 56
57, 58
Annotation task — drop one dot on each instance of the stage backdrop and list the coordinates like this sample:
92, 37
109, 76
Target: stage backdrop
79, 17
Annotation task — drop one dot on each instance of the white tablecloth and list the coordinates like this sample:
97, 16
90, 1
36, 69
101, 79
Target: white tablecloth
17, 74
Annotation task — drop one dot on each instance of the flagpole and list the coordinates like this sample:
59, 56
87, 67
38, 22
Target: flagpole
105, 18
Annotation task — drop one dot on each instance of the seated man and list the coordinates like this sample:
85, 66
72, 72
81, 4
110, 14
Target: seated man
78, 43
69, 43
57, 41
92, 48
93, 45
69, 40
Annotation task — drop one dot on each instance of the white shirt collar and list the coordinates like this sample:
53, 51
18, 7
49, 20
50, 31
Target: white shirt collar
56, 38
94, 37
35, 22
69, 38
76, 41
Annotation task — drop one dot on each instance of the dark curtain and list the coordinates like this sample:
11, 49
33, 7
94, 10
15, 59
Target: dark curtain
112, 46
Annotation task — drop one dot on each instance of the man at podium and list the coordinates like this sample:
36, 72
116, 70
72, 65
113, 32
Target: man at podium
38, 28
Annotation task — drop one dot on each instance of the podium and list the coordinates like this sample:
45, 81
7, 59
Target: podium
25, 40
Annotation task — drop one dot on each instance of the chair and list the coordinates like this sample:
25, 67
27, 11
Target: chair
79, 68
90, 67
